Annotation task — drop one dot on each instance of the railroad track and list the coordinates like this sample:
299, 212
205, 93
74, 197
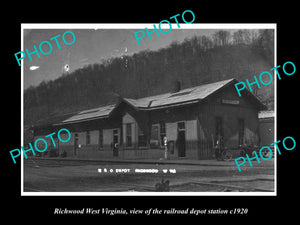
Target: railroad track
125, 187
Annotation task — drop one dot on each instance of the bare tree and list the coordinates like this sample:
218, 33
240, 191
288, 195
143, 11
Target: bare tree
242, 37
221, 37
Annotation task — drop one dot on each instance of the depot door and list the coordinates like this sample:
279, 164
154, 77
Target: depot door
76, 144
116, 142
181, 143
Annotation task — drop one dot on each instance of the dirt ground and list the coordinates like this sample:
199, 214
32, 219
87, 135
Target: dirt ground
80, 176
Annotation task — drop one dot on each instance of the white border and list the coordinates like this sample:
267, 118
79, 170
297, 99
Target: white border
142, 26
22, 115
275, 109
148, 25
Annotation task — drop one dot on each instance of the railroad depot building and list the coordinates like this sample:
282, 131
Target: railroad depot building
192, 119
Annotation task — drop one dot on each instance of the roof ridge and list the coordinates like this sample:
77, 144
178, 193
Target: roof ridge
195, 93
182, 90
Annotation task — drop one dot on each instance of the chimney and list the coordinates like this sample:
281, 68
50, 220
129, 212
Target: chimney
177, 86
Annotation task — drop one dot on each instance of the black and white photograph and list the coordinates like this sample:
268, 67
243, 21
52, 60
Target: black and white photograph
117, 109
149, 111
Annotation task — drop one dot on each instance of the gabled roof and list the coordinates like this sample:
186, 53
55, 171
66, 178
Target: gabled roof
182, 97
53, 119
90, 114
185, 96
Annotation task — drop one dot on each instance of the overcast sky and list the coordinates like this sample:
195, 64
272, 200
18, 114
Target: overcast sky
91, 46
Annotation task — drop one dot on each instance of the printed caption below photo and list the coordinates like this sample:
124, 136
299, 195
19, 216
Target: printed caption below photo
151, 211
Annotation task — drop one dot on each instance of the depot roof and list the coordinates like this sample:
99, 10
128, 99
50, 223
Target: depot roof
95, 113
185, 96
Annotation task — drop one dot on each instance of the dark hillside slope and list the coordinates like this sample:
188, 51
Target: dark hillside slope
148, 73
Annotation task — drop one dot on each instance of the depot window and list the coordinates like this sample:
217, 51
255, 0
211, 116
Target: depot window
142, 138
128, 135
88, 138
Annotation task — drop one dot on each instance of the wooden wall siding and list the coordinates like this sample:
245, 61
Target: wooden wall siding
212, 108
191, 130
174, 114
107, 137
206, 150
266, 131
230, 118
230, 115
191, 149
171, 131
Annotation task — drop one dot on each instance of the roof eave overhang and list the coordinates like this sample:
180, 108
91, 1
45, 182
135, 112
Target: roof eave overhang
169, 105
82, 120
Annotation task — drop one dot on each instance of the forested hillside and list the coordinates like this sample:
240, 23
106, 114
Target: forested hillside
198, 60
